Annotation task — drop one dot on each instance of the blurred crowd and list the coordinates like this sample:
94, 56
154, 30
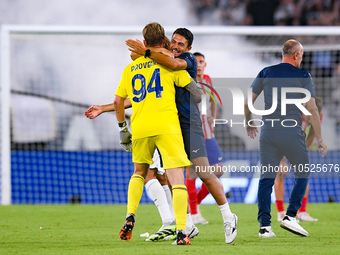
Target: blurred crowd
266, 12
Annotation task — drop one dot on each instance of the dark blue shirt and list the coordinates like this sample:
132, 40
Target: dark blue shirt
188, 111
279, 76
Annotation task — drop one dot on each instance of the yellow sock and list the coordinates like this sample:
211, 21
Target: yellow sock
180, 203
135, 192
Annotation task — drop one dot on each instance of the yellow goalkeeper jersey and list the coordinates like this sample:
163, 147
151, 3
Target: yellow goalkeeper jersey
151, 90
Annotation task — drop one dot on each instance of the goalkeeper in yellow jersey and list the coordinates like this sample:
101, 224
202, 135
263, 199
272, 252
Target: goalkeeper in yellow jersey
154, 124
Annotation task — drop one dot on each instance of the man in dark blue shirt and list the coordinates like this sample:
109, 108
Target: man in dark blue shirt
281, 133
190, 120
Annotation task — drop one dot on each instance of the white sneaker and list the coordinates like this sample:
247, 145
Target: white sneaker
290, 224
230, 229
266, 232
198, 219
280, 215
305, 217
192, 232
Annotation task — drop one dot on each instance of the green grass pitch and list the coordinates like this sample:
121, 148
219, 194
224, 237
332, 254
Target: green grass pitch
93, 229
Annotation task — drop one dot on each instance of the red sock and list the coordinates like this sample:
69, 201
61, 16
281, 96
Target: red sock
202, 193
303, 207
192, 193
280, 205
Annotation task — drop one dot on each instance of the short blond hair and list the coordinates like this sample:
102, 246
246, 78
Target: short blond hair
153, 34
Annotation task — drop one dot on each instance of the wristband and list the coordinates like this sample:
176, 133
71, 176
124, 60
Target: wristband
320, 141
147, 53
122, 125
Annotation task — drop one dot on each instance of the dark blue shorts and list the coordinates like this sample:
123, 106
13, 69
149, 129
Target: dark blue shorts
194, 141
214, 152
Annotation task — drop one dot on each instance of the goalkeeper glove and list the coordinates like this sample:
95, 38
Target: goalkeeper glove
125, 137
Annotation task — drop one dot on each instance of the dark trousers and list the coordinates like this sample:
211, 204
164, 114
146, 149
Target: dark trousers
274, 144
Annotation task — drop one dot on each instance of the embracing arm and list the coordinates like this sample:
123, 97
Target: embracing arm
168, 62
159, 55
195, 91
138, 48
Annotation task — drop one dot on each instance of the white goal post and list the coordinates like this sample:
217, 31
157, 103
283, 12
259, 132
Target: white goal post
9, 30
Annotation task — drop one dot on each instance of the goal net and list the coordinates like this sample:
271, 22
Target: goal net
51, 153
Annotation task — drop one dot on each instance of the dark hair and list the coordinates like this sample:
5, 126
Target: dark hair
199, 54
186, 34
153, 34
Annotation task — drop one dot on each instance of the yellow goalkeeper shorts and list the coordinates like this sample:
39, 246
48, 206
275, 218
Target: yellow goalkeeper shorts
171, 148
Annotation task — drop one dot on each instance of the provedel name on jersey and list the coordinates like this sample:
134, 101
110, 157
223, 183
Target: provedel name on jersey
143, 65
